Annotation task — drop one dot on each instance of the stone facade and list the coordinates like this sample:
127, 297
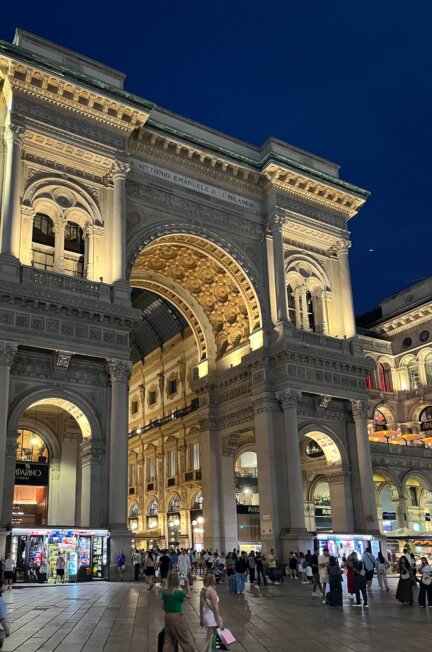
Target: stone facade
102, 191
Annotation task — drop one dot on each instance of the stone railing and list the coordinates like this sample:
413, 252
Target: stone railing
52, 280
402, 451
321, 341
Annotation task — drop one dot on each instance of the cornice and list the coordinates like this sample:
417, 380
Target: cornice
71, 94
406, 320
62, 153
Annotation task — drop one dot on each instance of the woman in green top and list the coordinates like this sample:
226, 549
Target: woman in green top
176, 629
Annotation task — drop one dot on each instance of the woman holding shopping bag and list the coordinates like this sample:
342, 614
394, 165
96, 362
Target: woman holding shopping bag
209, 610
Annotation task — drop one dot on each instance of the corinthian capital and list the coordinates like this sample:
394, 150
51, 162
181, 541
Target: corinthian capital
275, 223
119, 169
289, 398
28, 211
15, 134
360, 409
342, 246
119, 370
7, 352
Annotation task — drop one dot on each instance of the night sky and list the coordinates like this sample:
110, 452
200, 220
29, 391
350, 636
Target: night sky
349, 80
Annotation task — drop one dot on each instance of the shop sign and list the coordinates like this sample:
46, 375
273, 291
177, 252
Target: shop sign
389, 516
426, 426
427, 516
30, 474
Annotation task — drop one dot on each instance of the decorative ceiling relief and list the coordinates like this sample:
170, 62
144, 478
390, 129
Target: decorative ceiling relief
210, 278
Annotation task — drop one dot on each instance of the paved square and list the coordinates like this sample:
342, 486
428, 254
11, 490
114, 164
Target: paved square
127, 618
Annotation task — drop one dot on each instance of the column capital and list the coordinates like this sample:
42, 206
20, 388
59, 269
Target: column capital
264, 404
360, 408
7, 353
11, 448
275, 223
342, 245
230, 444
93, 230
338, 477
28, 211
15, 134
289, 398
119, 169
209, 422
91, 452
119, 370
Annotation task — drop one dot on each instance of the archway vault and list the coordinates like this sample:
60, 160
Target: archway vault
207, 285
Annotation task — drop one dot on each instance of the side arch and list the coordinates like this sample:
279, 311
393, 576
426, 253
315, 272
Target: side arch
23, 402
334, 450
47, 434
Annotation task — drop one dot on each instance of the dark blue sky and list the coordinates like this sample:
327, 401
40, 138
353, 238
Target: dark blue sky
348, 80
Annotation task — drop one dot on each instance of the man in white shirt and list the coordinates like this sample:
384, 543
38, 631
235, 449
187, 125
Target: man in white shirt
323, 561
8, 570
184, 565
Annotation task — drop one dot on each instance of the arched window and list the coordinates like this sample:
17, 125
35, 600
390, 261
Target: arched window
291, 305
198, 502
413, 373
74, 247
384, 377
426, 414
134, 511
428, 368
369, 380
174, 505
31, 447
43, 241
153, 509
310, 311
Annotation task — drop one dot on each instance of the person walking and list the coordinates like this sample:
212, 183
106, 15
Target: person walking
42, 572
121, 560
9, 570
184, 566
404, 591
381, 565
259, 562
360, 581
350, 576
335, 582
150, 569
425, 583
241, 570
272, 565
4, 626
137, 564
209, 610
164, 567
252, 566
316, 583
323, 561
369, 564
302, 566
176, 629
60, 568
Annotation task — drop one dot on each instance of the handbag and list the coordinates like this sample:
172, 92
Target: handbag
226, 636
405, 575
427, 580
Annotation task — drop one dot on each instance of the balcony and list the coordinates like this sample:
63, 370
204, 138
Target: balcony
401, 451
157, 423
75, 285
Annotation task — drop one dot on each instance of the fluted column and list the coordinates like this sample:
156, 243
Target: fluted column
59, 231
55, 517
323, 297
210, 473
304, 310
346, 303
93, 269
119, 371
91, 460
298, 312
119, 171
341, 501
360, 414
11, 213
289, 399
7, 353
228, 492
279, 264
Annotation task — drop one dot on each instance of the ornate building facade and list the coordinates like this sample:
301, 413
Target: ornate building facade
213, 276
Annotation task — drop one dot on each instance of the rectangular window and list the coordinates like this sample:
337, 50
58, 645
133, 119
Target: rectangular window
172, 387
150, 469
152, 397
171, 464
132, 475
134, 407
194, 457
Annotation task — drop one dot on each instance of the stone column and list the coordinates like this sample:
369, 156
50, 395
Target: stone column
228, 493
323, 297
121, 537
55, 516
367, 487
298, 313
7, 353
279, 263
401, 512
304, 313
26, 253
9, 480
93, 234
91, 460
210, 461
289, 399
341, 501
59, 230
346, 299
119, 171
270, 448
11, 213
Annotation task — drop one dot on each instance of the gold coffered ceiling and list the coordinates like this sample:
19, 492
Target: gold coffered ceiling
206, 284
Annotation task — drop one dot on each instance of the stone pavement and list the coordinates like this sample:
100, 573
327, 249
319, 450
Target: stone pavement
126, 617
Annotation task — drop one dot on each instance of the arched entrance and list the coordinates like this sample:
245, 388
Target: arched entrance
247, 499
418, 498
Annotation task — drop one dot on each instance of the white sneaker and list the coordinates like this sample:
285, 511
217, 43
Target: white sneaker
276, 582
324, 601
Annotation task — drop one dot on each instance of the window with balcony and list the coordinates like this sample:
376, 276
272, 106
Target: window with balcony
150, 469
74, 247
43, 242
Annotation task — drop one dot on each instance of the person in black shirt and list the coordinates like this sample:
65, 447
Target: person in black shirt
242, 567
316, 576
259, 561
164, 566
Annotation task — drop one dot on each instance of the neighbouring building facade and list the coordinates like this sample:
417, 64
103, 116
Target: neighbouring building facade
178, 350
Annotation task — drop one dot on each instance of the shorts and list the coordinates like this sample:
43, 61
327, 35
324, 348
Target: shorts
8, 575
324, 578
149, 571
209, 619
369, 575
60, 572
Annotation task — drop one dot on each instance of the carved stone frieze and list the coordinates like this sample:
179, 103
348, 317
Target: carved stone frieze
242, 415
338, 477
306, 209
91, 452
289, 398
11, 448
209, 422
119, 370
360, 409
230, 444
264, 404
7, 352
